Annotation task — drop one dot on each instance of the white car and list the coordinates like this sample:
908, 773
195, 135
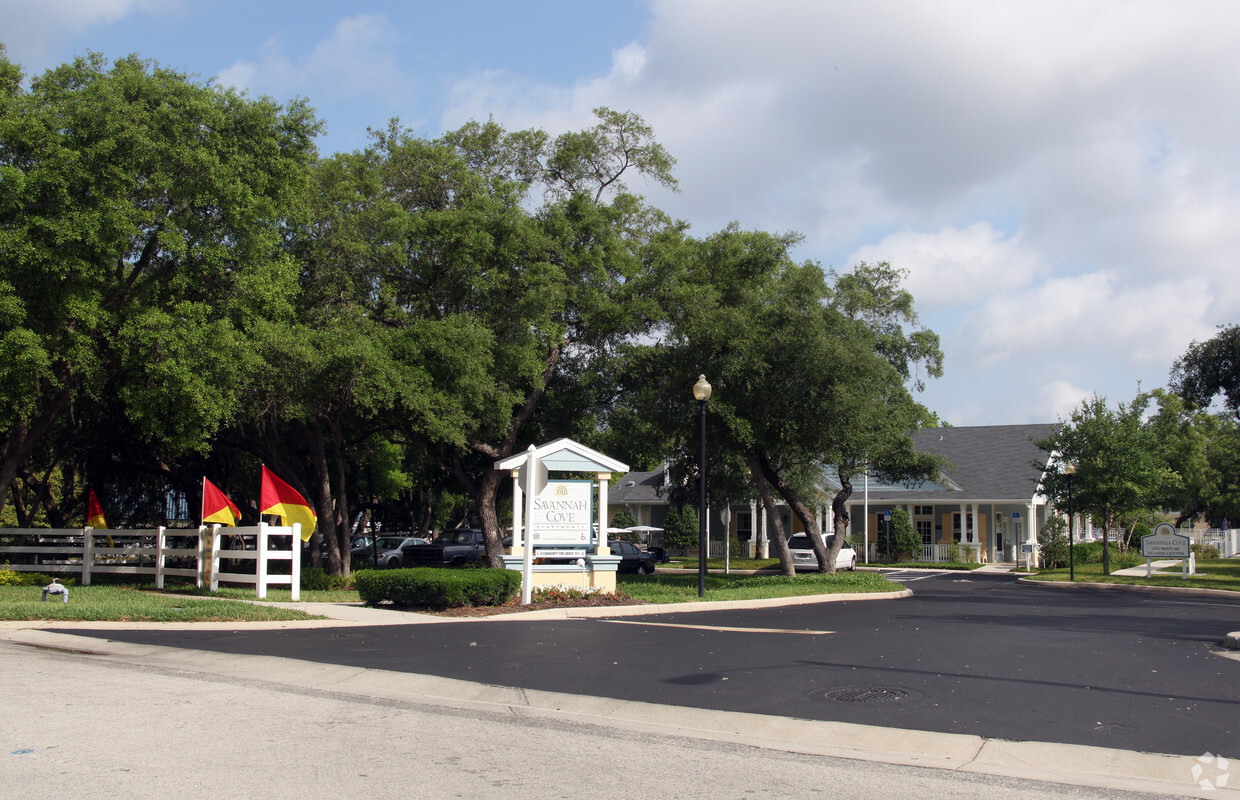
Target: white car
803, 552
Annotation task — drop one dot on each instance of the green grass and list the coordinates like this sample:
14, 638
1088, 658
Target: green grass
133, 603
773, 563
1211, 574
275, 595
664, 588
962, 565
691, 562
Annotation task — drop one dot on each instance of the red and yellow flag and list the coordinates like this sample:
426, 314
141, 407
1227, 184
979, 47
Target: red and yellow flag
282, 500
216, 507
94, 513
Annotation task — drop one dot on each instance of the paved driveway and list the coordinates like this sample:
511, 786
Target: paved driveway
968, 654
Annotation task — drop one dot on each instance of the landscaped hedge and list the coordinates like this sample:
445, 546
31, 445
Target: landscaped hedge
435, 588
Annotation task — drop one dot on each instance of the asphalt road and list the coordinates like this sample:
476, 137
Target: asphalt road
80, 726
975, 654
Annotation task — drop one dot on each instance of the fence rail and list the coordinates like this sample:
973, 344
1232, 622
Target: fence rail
87, 552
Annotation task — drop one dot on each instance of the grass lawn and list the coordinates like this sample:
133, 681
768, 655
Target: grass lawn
278, 595
665, 588
133, 603
773, 563
1223, 573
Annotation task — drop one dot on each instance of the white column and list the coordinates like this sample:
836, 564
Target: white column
215, 558
202, 555
766, 539
295, 570
161, 542
260, 576
1031, 530
518, 531
603, 478
88, 553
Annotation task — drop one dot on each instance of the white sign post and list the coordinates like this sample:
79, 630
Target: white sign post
1164, 542
534, 479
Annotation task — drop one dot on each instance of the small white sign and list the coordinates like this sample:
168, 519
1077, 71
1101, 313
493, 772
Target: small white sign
563, 513
1164, 542
547, 552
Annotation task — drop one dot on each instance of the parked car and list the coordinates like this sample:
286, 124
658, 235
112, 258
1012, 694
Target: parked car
632, 559
452, 548
391, 551
803, 552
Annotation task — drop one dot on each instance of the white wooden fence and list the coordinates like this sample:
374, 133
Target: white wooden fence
87, 552
261, 553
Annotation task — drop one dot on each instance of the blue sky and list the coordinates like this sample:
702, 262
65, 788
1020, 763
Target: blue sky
1060, 179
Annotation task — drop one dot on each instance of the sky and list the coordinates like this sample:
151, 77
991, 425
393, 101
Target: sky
1060, 180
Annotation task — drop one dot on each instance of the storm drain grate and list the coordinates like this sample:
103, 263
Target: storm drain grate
865, 695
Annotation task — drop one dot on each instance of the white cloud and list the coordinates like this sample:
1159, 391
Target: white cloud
33, 27
1062, 398
1088, 317
956, 266
358, 58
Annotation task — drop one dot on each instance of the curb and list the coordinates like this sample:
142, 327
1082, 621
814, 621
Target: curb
1133, 586
673, 608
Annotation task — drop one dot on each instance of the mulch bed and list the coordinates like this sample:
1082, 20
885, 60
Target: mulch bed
514, 606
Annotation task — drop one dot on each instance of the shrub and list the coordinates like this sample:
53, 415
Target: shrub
1204, 551
438, 588
680, 529
11, 577
1053, 543
905, 542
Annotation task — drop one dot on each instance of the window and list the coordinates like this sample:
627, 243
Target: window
923, 511
925, 528
956, 524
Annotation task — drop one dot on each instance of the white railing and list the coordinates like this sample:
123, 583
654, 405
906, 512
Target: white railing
87, 552
936, 553
262, 553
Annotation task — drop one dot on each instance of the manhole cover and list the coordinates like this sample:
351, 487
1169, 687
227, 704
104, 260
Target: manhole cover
872, 695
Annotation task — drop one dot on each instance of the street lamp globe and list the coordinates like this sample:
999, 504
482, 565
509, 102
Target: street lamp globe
701, 389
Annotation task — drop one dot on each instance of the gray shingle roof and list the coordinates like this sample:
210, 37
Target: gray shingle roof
639, 487
988, 462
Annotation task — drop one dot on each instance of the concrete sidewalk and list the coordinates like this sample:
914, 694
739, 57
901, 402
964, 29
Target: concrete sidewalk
1139, 571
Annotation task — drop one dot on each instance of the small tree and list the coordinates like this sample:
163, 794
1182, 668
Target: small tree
624, 519
680, 529
905, 543
1053, 543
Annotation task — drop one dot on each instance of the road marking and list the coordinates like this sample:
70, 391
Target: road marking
716, 627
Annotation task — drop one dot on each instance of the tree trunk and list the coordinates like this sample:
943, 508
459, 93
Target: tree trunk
839, 509
826, 559
341, 519
775, 521
20, 438
320, 485
488, 493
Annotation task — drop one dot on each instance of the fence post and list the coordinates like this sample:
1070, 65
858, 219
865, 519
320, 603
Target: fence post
295, 569
88, 553
260, 577
202, 556
215, 558
160, 543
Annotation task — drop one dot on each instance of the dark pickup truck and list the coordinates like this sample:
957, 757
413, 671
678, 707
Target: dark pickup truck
452, 548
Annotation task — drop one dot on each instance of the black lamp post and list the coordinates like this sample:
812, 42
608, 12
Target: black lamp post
701, 392
1070, 470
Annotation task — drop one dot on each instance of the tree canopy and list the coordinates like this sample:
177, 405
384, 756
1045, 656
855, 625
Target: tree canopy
188, 288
